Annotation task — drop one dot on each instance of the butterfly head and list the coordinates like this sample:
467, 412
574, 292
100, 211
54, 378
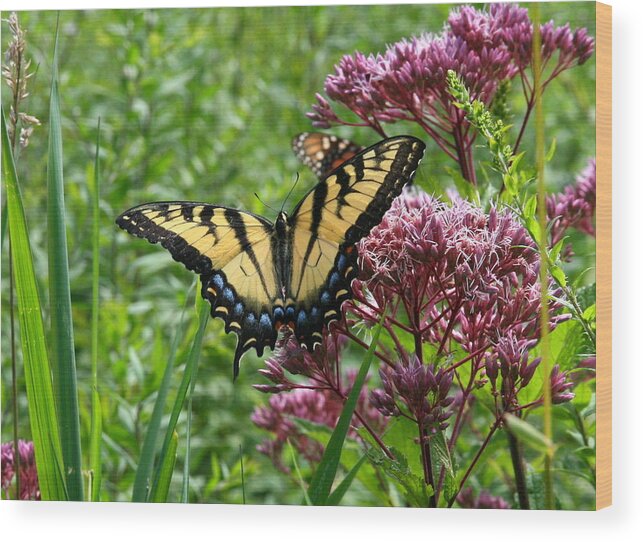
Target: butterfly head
281, 223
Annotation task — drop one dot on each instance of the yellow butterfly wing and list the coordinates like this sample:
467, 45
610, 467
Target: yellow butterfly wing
232, 252
332, 218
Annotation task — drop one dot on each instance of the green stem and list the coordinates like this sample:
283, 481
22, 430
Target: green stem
14, 376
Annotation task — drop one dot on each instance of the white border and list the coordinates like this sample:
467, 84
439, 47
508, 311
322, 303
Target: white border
98, 522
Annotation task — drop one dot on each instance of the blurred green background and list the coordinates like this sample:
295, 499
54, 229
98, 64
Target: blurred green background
201, 104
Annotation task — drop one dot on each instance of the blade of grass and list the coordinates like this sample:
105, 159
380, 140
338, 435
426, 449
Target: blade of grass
185, 488
3, 228
148, 450
95, 465
62, 328
336, 496
300, 478
40, 397
191, 364
185, 493
243, 477
166, 469
322, 480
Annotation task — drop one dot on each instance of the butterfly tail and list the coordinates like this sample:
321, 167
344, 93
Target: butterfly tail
237, 358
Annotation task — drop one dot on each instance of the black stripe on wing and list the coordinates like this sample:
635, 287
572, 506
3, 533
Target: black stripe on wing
341, 210
211, 240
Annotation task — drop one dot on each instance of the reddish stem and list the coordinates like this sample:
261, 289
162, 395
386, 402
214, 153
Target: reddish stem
482, 448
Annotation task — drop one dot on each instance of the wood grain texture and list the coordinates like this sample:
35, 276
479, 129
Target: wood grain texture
603, 255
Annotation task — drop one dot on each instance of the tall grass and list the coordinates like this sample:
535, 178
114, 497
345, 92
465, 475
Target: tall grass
40, 396
95, 464
322, 481
62, 328
185, 387
144, 471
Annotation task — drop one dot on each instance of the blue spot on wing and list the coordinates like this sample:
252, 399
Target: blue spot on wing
278, 314
290, 313
265, 320
334, 280
302, 318
228, 294
218, 282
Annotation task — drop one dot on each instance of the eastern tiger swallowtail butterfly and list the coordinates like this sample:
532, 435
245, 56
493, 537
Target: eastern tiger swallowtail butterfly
258, 275
323, 152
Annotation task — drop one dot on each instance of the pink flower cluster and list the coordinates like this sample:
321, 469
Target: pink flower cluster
484, 500
29, 488
575, 207
459, 277
408, 81
319, 398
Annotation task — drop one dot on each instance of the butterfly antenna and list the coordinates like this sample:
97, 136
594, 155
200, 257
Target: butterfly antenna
264, 204
290, 192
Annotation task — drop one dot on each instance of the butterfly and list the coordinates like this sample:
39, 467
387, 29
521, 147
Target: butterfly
297, 271
323, 152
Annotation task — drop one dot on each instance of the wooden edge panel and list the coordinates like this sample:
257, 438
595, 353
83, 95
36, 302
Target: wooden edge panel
603, 255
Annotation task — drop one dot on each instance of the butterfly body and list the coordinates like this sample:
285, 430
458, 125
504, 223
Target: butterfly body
297, 271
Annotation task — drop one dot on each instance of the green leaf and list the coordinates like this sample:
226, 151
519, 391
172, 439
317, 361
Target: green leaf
551, 151
189, 374
401, 435
185, 492
148, 450
415, 490
590, 313
554, 253
442, 459
533, 227
530, 206
96, 430
322, 480
62, 328
5, 221
558, 274
166, 468
566, 343
300, 478
40, 397
336, 496
527, 433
